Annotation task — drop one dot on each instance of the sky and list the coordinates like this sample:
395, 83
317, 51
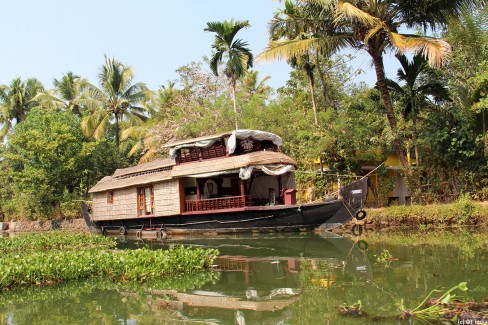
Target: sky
46, 39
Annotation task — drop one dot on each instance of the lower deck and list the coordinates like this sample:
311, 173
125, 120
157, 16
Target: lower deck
245, 219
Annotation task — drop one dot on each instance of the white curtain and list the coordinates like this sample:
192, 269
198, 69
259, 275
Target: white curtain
254, 134
200, 144
274, 170
246, 172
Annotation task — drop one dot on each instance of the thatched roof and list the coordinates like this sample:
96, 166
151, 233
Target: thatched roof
165, 169
153, 165
111, 183
151, 172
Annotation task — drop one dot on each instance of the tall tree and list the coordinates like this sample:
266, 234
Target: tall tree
421, 89
374, 26
68, 94
253, 87
116, 100
16, 100
239, 57
289, 23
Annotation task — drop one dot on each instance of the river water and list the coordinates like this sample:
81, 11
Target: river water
274, 279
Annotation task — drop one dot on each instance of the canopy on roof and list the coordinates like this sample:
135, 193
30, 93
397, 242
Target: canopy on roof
246, 172
209, 141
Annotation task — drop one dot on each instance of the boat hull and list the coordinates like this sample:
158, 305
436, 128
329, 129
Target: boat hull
287, 218
326, 215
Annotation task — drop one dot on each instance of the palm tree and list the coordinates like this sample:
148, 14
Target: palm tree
16, 100
252, 87
69, 94
374, 26
116, 100
294, 26
239, 57
421, 90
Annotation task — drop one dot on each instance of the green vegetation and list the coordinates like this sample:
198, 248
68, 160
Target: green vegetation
59, 142
437, 310
446, 308
57, 257
463, 211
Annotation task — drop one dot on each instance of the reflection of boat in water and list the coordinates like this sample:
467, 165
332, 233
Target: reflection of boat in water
262, 277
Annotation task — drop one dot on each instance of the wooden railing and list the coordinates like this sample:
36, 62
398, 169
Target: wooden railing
231, 202
196, 154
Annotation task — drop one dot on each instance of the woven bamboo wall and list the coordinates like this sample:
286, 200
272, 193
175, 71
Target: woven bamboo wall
167, 198
124, 205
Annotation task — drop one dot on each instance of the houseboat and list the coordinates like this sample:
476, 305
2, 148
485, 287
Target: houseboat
236, 181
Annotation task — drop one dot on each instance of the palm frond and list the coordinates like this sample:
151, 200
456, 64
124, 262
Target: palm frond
101, 128
373, 31
346, 10
435, 51
136, 147
135, 132
285, 50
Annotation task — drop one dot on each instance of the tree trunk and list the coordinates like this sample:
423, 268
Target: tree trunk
313, 101
308, 67
415, 145
117, 130
233, 86
390, 114
327, 100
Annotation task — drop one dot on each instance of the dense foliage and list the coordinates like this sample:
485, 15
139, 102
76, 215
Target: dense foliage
60, 142
58, 257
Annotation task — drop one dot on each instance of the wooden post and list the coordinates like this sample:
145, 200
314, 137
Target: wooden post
198, 190
242, 186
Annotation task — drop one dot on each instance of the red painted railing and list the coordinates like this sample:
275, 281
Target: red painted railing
230, 202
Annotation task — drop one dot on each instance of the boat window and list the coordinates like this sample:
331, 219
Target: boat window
145, 201
110, 197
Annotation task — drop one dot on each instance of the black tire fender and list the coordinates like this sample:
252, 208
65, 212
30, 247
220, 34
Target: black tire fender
362, 245
161, 234
356, 230
360, 215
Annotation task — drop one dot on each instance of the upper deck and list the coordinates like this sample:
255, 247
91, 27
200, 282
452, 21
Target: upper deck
223, 145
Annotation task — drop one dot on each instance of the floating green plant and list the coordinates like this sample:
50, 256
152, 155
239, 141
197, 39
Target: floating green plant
385, 258
29, 242
59, 257
436, 308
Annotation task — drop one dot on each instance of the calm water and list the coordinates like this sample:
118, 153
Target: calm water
273, 279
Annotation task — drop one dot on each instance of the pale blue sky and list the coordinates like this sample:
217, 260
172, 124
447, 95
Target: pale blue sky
45, 39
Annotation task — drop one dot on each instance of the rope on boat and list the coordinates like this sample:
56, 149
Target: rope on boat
373, 170
210, 221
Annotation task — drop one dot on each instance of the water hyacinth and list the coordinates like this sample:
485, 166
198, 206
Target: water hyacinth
59, 257
25, 243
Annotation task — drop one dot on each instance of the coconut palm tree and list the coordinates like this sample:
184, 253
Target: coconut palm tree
291, 23
252, 87
239, 57
374, 26
421, 89
16, 100
69, 94
116, 100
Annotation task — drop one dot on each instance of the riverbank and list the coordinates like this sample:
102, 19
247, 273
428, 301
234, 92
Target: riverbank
460, 213
75, 225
